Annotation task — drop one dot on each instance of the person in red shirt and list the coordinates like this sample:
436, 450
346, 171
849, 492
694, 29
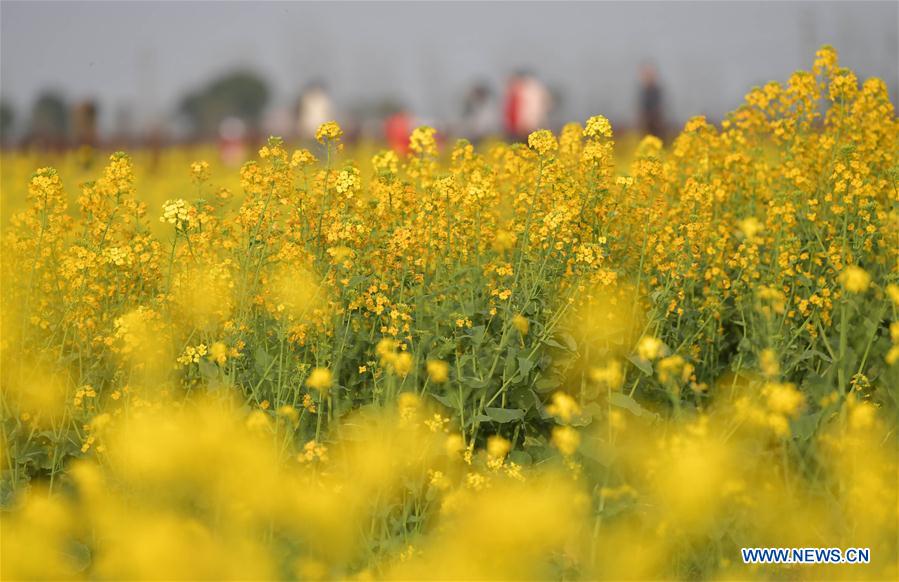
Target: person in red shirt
512, 106
397, 128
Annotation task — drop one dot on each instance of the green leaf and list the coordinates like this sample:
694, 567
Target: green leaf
805, 426
477, 334
599, 451
450, 400
524, 366
503, 415
79, 555
509, 367
553, 343
547, 384
208, 370
570, 342
538, 404
475, 383
589, 412
624, 401
809, 354
521, 457
641, 364
261, 361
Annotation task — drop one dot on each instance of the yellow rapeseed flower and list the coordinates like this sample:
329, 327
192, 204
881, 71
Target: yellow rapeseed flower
649, 348
855, 279
566, 439
498, 447
611, 375
893, 293
320, 379
329, 130
521, 323
598, 126
438, 371
402, 364
543, 142
563, 407
783, 398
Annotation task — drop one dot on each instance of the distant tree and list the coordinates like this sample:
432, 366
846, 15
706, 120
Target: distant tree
50, 119
242, 94
7, 120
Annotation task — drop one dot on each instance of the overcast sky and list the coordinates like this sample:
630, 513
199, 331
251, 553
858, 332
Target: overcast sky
145, 55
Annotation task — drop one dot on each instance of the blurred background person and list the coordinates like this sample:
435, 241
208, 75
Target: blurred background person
84, 131
397, 129
527, 105
232, 141
536, 104
84, 126
652, 120
479, 115
123, 130
512, 105
315, 109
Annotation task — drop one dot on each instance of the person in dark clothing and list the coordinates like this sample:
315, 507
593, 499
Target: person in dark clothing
651, 101
479, 118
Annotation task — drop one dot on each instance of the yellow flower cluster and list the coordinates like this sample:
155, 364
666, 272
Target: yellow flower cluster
328, 132
176, 212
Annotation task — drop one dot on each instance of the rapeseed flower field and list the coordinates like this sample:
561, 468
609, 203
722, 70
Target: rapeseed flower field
523, 361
